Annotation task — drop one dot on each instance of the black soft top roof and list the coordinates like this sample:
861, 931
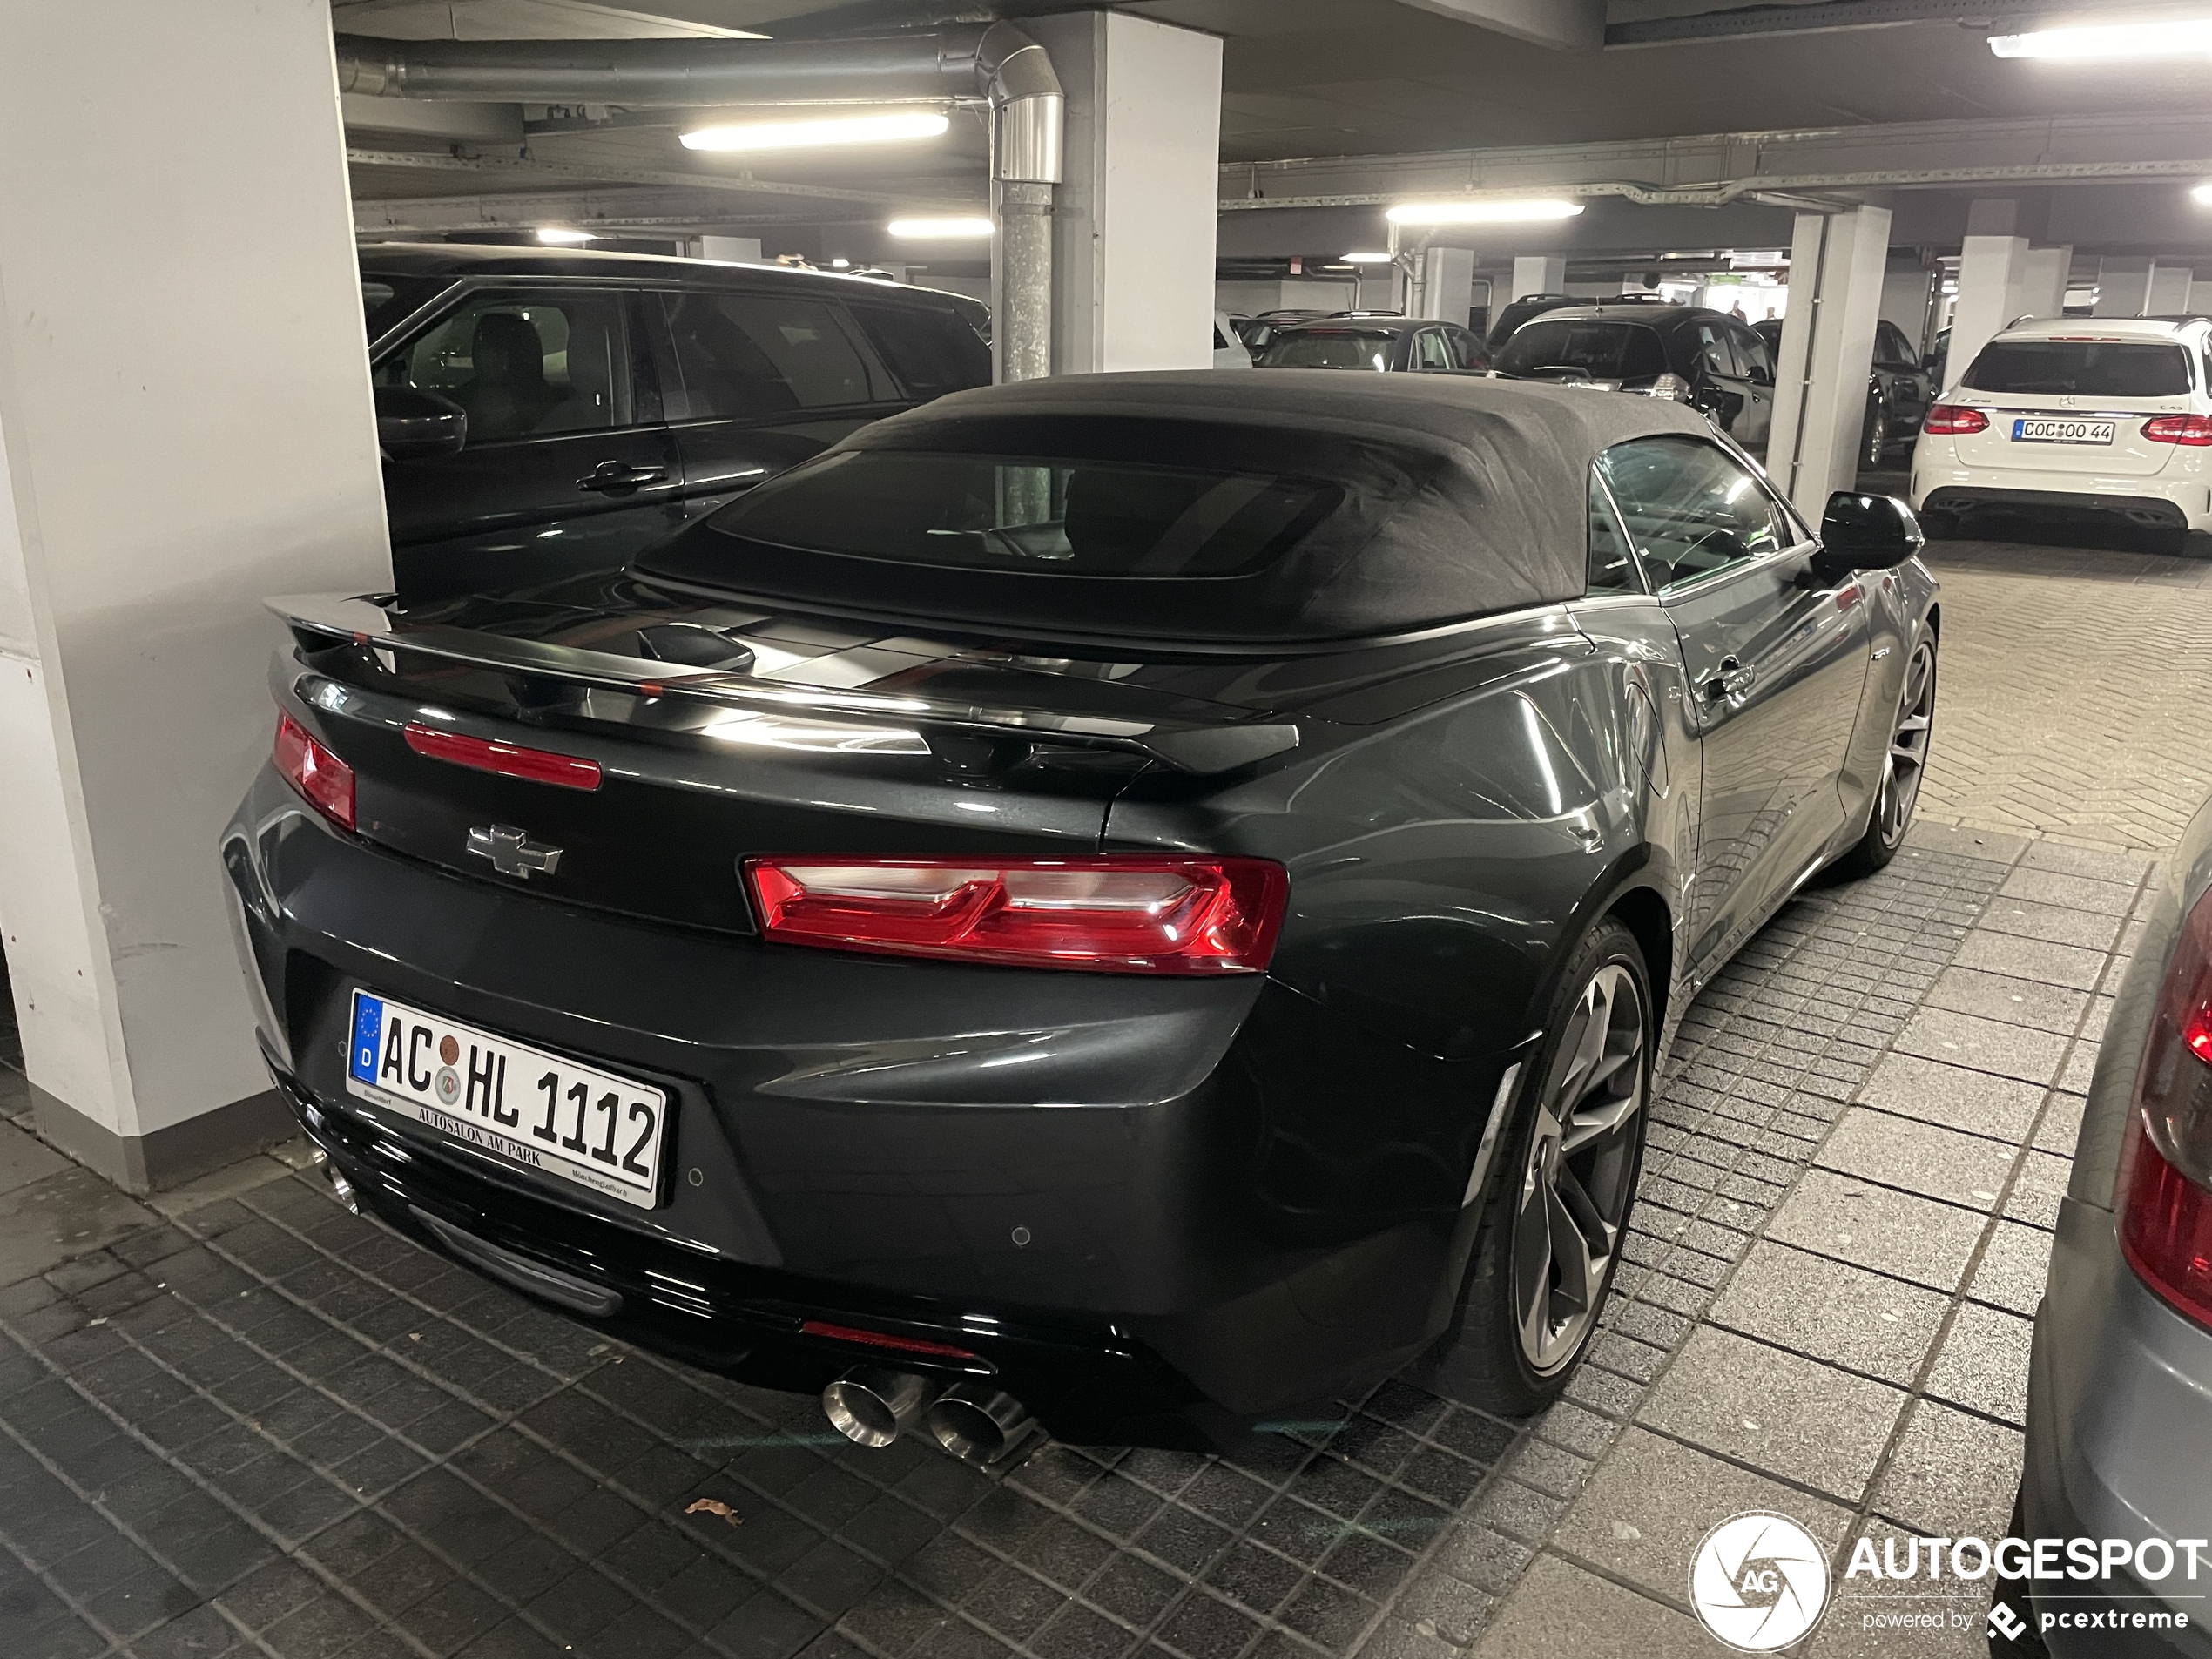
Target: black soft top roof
1463, 496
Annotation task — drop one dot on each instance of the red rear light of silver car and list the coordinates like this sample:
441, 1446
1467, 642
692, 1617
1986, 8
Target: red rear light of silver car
2193, 431
1111, 914
326, 781
2164, 1193
508, 759
1954, 419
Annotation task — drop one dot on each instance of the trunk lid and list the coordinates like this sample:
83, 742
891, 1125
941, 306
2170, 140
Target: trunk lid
2049, 399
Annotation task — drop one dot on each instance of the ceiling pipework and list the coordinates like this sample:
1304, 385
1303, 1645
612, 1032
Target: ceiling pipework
994, 64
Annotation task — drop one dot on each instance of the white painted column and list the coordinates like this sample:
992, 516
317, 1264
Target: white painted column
1537, 274
1133, 252
1448, 284
162, 467
1905, 297
2123, 287
740, 250
2041, 290
2169, 290
1836, 269
2201, 297
1991, 269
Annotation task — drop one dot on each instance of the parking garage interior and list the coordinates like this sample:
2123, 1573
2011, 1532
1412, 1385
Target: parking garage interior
240, 1414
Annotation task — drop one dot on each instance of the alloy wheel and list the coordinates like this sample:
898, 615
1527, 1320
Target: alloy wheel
1877, 438
1907, 760
1574, 1192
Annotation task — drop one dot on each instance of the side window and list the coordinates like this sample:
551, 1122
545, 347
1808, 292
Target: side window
1430, 350
524, 365
1751, 352
1612, 566
1470, 349
1713, 353
1891, 347
753, 354
931, 352
1691, 509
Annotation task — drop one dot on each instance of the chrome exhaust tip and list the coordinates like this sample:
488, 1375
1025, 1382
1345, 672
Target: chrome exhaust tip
342, 1190
874, 1404
979, 1425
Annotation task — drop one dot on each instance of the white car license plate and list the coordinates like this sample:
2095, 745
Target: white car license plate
518, 1103
2026, 431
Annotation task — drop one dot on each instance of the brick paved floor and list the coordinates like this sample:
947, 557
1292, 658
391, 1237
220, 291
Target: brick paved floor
242, 1421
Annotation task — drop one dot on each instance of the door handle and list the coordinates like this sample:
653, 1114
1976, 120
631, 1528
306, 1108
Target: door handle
611, 476
1731, 679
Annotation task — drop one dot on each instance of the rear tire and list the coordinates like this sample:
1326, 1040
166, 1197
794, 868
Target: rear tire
1905, 765
1874, 443
1556, 1202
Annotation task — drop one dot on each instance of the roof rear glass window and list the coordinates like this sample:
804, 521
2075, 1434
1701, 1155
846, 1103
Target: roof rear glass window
1328, 349
1604, 351
2081, 368
1038, 517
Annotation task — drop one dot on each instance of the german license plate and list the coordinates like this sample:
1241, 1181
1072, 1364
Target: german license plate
521, 1105
2025, 431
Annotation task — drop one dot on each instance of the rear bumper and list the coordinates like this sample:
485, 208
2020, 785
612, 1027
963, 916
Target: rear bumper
1151, 1207
2181, 501
2119, 1407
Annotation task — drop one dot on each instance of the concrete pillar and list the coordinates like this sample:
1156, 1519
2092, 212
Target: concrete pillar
1448, 284
740, 250
162, 467
2123, 287
1133, 252
2169, 290
2041, 290
2200, 297
1538, 273
1990, 273
1905, 297
1836, 269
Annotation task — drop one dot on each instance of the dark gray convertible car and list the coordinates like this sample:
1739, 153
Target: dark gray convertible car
1145, 901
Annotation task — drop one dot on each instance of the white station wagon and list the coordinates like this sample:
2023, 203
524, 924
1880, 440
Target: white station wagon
2101, 415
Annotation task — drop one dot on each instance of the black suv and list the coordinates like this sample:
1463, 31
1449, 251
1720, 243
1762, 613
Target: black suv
1395, 343
1706, 359
1899, 390
545, 413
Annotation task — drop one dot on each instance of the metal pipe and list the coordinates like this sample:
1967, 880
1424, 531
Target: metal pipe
979, 1425
995, 64
874, 1404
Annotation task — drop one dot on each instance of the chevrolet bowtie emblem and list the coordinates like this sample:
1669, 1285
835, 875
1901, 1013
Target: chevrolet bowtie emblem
512, 853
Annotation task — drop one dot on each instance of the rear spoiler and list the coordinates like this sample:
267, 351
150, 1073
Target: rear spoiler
1187, 747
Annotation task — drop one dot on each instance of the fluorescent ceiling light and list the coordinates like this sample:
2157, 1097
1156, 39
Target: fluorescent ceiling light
2181, 38
2201, 195
1367, 258
554, 235
1481, 212
941, 230
878, 126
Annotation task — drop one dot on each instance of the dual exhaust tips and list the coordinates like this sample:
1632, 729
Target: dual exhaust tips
874, 1404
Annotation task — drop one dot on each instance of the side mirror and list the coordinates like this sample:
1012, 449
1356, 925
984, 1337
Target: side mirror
417, 426
1758, 376
1868, 532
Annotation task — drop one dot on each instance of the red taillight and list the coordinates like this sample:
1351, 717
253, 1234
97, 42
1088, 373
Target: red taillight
2194, 431
487, 754
1114, 914
882, 1339
326, 781
1953, 418
2164, 1193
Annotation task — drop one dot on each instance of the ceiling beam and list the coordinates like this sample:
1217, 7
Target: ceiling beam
1819, 17
584, 173
1715, 168
612, 212
1567, 25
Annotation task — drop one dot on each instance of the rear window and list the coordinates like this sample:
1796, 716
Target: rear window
2083, 368
1034, 516
1604, 351
1328, 349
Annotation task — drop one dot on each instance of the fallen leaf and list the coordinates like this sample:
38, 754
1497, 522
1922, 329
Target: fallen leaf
714, 1507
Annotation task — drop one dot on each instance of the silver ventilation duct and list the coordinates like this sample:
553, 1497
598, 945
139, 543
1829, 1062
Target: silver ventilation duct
995, 64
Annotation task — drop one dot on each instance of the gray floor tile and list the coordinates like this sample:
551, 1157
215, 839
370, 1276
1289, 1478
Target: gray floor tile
1951, 1475
2014, 1265
1558, 1611
1917, 1157
2054, 924
1792, 1417
1987, 1045
1830, 1311
71, 1213
2061, 1124
1983, 1363
2038, 1188
1652, 1499
2099, 864
1892, 1232
2000, 996
1845, 1632
24, 1159
2070, 965
1953, 1096
2076, 892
